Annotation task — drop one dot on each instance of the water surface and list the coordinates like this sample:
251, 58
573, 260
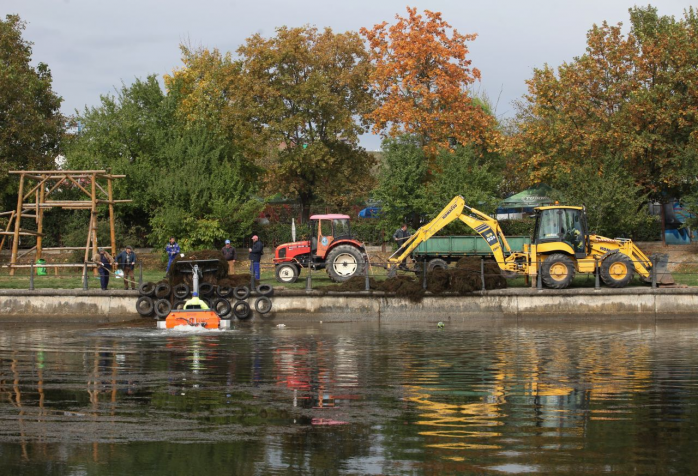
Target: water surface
535, 397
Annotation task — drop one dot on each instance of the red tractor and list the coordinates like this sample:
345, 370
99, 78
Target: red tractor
331, 246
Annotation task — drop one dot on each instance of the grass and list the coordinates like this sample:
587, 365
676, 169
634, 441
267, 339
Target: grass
685, 275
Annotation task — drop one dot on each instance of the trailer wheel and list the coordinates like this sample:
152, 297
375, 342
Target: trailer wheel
287, 273
557, 271
344, 262
436, 264
617, 270
144, 305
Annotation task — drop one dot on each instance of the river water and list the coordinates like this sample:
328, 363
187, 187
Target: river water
490, 398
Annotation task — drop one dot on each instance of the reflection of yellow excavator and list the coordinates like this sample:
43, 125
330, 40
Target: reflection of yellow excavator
561, 246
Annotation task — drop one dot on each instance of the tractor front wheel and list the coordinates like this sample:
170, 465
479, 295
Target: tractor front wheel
287, 273
617, 270
557, 271
344, 262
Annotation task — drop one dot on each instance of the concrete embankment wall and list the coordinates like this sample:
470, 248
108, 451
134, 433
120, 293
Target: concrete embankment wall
581, 304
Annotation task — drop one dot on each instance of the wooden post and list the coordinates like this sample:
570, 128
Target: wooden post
18, 219
110, 194
93, 228
7, 228
87, 249
39, 220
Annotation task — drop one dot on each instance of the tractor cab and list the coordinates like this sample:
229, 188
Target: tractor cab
326, 229
557, 224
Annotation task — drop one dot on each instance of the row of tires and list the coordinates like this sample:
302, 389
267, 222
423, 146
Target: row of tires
206, 290
160, 308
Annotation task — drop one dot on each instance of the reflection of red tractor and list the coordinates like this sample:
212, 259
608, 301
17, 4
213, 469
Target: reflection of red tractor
331, 246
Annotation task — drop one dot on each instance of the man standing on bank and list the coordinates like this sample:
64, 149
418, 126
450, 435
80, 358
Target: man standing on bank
105, 262
126, 260
229, 255
401, 235
256, 253
172, 250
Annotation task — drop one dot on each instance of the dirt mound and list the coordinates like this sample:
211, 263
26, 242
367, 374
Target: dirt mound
212, 272
235, 280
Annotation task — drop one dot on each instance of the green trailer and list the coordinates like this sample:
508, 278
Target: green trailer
440, 251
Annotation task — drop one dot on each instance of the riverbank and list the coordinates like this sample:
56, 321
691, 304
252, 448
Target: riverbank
314, 306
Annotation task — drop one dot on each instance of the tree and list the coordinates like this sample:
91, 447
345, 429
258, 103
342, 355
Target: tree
630, 95
402, 181
290, 103
421, 79
183, 178
31, 125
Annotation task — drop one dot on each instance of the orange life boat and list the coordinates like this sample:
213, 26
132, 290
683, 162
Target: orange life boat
204, 318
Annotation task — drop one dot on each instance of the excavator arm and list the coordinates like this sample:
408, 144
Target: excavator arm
487, 227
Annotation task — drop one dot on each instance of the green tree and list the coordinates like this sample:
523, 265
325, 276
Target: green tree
31, 125
184, 180
402, 181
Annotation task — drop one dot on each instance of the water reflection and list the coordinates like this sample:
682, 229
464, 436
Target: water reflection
350, 399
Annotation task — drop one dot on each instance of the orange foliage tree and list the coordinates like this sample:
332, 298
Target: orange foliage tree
633, 96
421, 80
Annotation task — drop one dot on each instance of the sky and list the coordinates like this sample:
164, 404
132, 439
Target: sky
93, 46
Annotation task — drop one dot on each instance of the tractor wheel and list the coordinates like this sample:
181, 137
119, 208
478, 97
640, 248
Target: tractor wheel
617, 270
436, 264
287, 273
557, 271
344, 262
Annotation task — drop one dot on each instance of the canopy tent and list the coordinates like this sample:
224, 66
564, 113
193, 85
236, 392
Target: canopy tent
524, 202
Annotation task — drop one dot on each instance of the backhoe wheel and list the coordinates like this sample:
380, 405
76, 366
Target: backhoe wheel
436, 264
617, 270
287, 273
557, 271
345, 261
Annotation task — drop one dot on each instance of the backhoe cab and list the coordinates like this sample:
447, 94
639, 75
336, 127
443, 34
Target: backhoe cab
330, 246
561, 246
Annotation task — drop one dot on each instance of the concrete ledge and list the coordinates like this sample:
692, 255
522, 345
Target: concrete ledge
288, 305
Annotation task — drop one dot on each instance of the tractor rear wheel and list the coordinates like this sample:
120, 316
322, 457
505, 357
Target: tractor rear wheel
436, 263
557, 271
617, 270
344, 262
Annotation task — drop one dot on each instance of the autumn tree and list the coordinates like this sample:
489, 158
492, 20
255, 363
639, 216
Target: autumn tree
630, 95
31, 125
421, 79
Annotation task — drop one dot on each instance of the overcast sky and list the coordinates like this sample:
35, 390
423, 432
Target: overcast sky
92, 46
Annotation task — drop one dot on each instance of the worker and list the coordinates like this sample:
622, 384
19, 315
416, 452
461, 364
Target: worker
256, 253
172, 250
229, 255
195, 302
105, 262
401, 235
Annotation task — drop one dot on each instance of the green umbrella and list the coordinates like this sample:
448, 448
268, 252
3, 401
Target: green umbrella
531, 197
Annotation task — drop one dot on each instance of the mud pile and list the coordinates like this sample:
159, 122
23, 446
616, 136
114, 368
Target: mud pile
463, 279
212, 271
235, 280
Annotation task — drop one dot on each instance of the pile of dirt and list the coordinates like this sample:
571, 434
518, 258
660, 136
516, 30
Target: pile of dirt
235, 280
463, 279
212, 272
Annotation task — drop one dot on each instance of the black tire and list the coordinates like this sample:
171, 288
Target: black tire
178, 305
287, 273
224, 291
262, 305
146, 289
436, 263
617, 270
241, 292
162, 290
241, 310
557, 271
144, 305
205, 289
162, 308
344, 262
222, 307
181, 291
265, 290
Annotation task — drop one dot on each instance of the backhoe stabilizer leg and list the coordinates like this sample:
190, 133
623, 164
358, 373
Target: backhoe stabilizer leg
661, 263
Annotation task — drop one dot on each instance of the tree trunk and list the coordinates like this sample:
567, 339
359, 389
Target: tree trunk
305, 200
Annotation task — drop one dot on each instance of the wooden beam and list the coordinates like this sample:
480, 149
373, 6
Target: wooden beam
18, 219
63, 172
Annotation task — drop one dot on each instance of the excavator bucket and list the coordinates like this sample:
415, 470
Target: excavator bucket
661, 263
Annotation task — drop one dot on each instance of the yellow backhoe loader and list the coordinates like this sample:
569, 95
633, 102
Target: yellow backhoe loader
560, 247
